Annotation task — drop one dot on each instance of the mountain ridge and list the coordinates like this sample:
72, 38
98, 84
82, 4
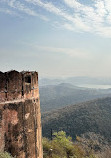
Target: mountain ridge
57, 96
91, 116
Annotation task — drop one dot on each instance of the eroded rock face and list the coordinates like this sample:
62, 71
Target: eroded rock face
20, 117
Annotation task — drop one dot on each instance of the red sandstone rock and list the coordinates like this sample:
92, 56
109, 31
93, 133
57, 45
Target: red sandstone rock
20, 117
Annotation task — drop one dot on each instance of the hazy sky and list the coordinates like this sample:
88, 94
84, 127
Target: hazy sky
56, 37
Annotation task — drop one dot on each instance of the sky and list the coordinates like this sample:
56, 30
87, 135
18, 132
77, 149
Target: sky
57, 38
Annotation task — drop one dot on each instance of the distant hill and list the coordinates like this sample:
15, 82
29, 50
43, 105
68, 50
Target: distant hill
47, 81
57, 96
81, 80
88, 80
92, 116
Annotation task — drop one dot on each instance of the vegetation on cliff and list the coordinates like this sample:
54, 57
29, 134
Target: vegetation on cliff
61, 146
5, 155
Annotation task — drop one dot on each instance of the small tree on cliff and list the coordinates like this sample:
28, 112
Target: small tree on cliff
5, 155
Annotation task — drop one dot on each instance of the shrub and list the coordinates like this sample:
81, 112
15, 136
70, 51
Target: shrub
5, 155
62, 146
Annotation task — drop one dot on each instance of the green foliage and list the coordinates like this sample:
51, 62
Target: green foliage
62, 147
5, 155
